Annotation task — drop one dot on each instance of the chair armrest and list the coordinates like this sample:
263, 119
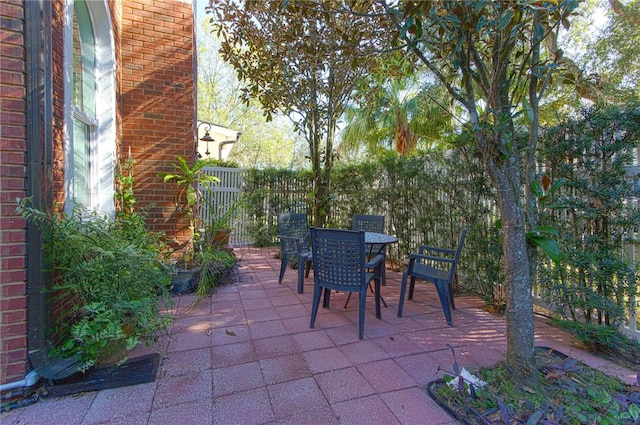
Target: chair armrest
415, 256
301, 244
374, 262
424, 249
289, 238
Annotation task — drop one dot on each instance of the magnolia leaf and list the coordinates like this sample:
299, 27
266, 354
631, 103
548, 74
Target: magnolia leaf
535, 418
547, 230
548, 245
556, 185
505, 18
546, 181
537, 189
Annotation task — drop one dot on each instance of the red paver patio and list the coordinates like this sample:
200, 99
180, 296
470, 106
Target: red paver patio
247, 356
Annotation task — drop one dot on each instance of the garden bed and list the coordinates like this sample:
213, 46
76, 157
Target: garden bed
567, 392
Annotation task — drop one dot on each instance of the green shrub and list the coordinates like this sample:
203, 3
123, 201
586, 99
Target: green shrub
107, 278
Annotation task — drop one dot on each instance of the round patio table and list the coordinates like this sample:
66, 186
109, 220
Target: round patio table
379, 241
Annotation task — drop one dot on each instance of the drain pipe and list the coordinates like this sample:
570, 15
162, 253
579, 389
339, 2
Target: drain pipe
30, 380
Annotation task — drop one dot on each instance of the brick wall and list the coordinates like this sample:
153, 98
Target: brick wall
13, 324
54, 178
157, 100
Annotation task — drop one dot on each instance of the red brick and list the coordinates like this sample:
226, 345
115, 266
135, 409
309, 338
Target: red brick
11, 50
12, 78
13, 304
12, 157
13, 263
14, 316
15, 356
12, 92
12, 250
11, 23
12, 10
13, 276
12, 38
12, 184
14, 370
13, 64
14, 343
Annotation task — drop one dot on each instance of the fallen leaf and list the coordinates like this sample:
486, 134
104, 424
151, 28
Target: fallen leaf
230, 333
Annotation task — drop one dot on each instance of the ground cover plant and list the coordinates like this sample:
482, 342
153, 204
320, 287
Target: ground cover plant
564, 391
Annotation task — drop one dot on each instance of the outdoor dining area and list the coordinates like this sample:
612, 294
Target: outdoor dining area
349, 260
247, 354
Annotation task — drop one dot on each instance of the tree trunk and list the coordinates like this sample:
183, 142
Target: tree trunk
519, 309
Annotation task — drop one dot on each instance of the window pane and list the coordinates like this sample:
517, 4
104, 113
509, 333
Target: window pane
83, 59
81, 160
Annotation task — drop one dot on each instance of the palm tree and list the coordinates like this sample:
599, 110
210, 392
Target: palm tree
398, 118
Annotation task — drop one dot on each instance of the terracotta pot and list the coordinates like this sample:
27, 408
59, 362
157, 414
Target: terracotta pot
221, 238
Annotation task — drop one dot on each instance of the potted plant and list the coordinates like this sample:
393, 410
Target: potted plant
108, 283
203, 265
220, 224
190, 181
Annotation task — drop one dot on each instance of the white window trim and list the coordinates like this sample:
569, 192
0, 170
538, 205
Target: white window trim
104, 132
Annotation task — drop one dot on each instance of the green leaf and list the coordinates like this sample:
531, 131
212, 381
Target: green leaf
548, 245
556, 185
535, 418
634, 411
536, 188
547, 230
505, 18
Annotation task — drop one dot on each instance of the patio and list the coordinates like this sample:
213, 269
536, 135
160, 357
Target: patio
247, 356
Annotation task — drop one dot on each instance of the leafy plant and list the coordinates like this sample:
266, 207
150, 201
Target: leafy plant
190, 181
565, 391
217, 266
109, 282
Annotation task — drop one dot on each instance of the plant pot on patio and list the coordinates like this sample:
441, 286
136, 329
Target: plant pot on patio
185, 281
221, 237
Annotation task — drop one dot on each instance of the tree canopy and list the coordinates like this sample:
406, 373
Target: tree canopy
301, 60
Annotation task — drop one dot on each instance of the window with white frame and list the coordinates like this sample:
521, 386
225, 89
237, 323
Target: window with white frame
90, 129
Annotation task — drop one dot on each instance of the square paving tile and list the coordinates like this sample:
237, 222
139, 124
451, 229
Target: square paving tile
237, 378
326, 360
121, 402
398, 345
198, 413
230, 335
185, 362
296, 396
324, 416
232, 354
385, 375
251, 407
364, 351
365, 411
275, 346
286, 368
267, 329
344, 384
312, 340
413, 406
189, 341
183, 389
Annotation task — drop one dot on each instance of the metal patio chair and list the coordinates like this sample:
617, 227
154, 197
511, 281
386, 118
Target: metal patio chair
437, 265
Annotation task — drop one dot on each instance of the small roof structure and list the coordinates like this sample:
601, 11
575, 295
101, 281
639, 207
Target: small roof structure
222, 143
